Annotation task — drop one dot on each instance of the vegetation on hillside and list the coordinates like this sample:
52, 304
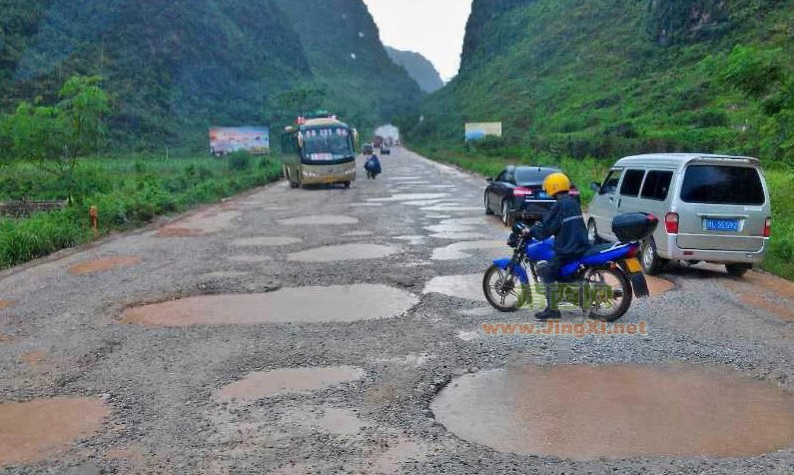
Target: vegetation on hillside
610, 78
418, 67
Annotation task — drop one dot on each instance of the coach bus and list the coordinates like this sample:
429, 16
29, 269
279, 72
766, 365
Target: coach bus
319, 150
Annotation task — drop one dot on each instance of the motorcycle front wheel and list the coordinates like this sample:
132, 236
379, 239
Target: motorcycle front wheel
608, 294
501, 288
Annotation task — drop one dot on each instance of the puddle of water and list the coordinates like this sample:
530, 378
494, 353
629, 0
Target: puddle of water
323, 220
450, 228
411, 197
658, 286
456, 251
251, 258
6, 304
327, 419
443, 208
467, 287
288, 380
266, 241
366, 205
199, 224
437, 216
459, 236
468, 336
102, 265
421, 203
345, 252
585, 413
294, 305
755, 296
467, 221
35, 430
33, 358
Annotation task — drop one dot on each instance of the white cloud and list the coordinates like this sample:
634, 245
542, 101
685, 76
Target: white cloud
434, 28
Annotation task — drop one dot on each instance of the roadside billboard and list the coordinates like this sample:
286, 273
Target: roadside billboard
225, 140
478, 130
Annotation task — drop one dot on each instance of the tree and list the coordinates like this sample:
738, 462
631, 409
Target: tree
55, 137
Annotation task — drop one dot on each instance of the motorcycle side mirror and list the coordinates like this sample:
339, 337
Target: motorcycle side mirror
595, 186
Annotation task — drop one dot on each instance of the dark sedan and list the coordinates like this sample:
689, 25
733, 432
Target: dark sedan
517, 193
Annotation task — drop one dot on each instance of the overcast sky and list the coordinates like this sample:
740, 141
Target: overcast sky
434, 28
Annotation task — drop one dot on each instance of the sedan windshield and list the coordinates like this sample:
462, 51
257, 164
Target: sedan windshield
327, 144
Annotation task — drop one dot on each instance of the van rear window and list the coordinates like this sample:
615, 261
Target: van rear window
718, 184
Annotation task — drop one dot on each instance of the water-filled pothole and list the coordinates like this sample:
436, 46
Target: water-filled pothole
345, 252
467, 287
457, 251
323, 220
199, 224
288, 380
585, 413
34, 430
411, 197
266, 241
346, 303
101, 265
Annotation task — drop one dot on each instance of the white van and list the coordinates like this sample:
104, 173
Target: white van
714, 208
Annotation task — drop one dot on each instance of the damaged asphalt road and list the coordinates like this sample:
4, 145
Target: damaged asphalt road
341, 331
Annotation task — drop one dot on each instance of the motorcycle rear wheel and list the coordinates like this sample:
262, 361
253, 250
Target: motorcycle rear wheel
501, 288
620, 301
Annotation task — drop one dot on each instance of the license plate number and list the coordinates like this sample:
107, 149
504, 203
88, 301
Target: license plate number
722, 225
633, 265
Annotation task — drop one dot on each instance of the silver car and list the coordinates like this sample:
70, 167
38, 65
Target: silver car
714, 208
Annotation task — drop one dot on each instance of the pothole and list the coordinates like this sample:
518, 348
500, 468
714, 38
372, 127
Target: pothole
410, 197
467, 287
35, 430
199, 224
322, 220
266, 241
6, 304
358, 233
585, 413
457, 251
33, 358
288, 380
294, 305
459, 236
330, 420
102, 265
449, 228
345, 252
250, 258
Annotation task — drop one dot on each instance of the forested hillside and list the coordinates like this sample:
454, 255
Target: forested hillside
419, 68
611, 77
174, 67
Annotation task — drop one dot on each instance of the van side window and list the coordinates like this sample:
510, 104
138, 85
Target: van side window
610, 183
632, 182
657, 184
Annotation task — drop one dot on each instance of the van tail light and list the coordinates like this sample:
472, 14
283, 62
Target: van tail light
768, 227
520, 192
671, 223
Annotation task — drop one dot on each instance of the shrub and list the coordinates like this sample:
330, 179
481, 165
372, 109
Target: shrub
239, 161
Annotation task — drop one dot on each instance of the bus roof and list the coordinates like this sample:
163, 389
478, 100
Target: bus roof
324, 122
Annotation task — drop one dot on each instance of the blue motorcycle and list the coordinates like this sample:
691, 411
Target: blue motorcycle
601, 282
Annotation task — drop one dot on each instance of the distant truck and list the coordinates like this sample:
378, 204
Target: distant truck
377, 141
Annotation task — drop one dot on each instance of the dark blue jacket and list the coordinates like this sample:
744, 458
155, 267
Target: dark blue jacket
373, 164
565, 222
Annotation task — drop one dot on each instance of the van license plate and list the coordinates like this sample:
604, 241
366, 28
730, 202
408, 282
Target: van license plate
633, 265
722, 225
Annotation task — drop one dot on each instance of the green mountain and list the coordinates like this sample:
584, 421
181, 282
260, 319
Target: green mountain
175, 67
352, 73
419, 68
611, 77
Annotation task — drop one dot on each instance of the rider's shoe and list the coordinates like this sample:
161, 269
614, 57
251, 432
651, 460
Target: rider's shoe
548, 314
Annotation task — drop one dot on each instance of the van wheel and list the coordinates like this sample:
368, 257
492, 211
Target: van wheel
592, 233
652, 264
738, 270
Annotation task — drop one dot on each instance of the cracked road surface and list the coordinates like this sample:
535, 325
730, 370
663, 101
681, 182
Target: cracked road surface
341, 331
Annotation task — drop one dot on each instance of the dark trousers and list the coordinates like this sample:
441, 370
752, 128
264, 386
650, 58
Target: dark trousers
552, 274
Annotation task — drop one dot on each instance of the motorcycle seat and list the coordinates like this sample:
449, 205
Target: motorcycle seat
597, 249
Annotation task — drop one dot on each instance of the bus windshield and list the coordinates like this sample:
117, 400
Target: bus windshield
327, 144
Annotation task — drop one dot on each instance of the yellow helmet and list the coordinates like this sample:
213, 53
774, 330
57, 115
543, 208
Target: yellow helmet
556, 183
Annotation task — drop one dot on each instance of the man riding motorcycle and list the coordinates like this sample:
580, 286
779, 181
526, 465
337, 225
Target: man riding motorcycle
565, 222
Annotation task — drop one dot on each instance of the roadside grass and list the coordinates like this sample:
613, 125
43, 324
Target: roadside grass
779, 260
129, 191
